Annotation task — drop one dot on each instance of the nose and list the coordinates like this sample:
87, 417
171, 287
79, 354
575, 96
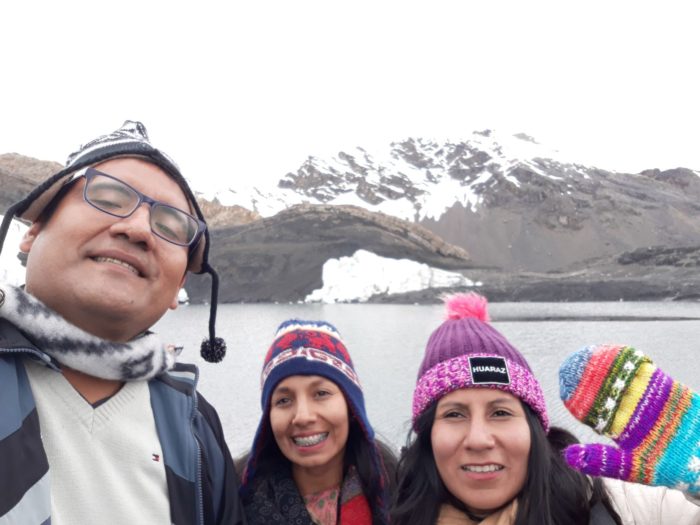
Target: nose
305, 414
136, 228
479, 435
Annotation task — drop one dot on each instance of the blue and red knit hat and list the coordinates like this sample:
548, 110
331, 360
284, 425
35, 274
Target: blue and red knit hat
308, 348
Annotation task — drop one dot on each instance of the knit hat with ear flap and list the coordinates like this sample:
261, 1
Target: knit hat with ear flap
311, 348
467, 352
130, 140
308, 348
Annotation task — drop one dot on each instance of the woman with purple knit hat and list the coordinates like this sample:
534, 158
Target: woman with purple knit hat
482, 449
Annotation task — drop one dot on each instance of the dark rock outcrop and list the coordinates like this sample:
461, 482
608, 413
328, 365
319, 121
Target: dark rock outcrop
281, 258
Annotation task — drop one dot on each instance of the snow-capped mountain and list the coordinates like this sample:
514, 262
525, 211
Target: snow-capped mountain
508, 200
414, 179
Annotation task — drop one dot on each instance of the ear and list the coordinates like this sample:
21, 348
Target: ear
174, 304
25, 245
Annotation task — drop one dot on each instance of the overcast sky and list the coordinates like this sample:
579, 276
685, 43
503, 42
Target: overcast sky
250, 89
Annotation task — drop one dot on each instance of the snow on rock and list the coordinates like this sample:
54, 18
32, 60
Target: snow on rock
11, 269
364, 274
412, 179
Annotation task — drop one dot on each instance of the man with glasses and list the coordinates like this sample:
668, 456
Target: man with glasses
98, 423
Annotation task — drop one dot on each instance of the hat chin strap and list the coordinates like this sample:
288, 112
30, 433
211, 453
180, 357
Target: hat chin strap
213, 349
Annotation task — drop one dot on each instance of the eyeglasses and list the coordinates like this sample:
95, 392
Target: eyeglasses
115, 197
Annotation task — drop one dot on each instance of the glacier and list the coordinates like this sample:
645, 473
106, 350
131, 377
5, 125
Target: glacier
358, 277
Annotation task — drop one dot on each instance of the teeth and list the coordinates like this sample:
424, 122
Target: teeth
117, 261
482, 468
309, 441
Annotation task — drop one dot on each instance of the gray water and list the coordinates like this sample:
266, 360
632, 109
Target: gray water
387, 342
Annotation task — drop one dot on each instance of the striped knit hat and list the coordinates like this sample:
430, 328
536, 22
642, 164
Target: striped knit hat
467, 352
313, 348
130, 140
308, 348
654, 420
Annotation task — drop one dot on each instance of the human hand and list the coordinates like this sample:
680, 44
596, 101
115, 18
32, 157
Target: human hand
654, 420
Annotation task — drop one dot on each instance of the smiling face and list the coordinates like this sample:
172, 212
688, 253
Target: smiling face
481, 442
309, 421
110, 276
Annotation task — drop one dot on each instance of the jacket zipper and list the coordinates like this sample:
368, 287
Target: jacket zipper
198, 482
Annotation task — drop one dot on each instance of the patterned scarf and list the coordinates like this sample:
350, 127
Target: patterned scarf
142, 358
276, 500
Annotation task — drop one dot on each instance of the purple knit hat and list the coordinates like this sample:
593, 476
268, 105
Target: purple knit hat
467, 352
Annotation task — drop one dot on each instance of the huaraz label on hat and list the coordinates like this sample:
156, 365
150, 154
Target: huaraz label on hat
489, 370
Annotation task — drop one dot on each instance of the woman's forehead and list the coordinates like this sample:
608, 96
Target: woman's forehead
301, 382
467, 396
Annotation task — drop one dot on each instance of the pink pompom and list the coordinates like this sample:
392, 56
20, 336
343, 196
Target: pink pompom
466, 306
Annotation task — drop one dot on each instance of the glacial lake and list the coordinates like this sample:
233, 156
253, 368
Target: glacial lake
387, 343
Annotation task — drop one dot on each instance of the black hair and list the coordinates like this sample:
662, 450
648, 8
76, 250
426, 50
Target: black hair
376, 486
358, 452
552, 494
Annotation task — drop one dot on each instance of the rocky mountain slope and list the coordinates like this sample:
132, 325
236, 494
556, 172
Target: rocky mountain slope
507, 200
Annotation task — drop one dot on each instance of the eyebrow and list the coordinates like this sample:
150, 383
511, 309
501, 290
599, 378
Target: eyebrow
497, 401
110, 185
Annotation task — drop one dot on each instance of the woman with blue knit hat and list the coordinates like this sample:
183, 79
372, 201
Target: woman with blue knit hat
314, 459
482, 448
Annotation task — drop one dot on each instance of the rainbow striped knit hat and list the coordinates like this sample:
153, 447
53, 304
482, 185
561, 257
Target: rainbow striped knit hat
654, 420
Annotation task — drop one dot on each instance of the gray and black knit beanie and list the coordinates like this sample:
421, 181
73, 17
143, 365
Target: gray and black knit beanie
130, 140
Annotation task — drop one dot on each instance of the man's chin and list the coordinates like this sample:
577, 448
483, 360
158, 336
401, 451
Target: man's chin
113, 317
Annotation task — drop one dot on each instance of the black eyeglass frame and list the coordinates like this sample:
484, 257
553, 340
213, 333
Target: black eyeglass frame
90, 173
